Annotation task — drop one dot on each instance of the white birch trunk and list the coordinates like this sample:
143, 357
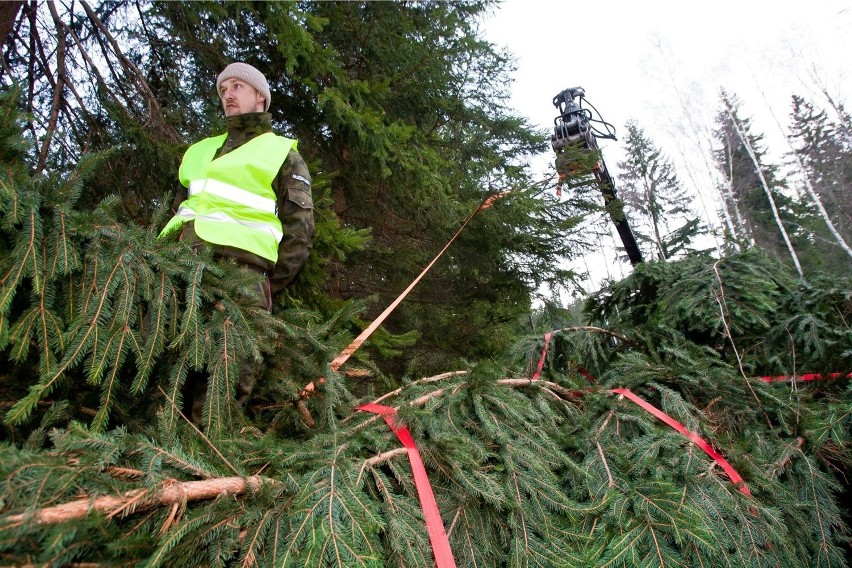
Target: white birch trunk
766, 190
729, 198
809, 186
823, 213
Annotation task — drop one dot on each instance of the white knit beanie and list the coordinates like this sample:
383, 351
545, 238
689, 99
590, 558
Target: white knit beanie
248, 74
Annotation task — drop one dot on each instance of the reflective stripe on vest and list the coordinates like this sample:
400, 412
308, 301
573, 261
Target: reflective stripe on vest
233, 193
190, 215
231, 198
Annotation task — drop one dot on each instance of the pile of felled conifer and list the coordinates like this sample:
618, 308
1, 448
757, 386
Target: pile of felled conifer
100, 324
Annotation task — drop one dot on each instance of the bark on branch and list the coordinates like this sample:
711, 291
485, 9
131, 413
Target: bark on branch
139, 500
189, 491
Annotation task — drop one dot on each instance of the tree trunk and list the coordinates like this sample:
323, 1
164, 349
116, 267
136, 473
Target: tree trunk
810, 188
823, 213
655, 220
8, 15
728, 199
766, 190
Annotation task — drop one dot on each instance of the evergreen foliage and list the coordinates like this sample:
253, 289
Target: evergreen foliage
650, 188
768, 210
822, 152
749, 198
823, 148
400, 110
102, 322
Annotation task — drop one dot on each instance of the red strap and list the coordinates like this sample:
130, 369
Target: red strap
588, 375
805, 377
344, 355
691, 436
648, 407
434, 525
537, 373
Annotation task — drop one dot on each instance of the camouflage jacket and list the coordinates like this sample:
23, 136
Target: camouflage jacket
292, 185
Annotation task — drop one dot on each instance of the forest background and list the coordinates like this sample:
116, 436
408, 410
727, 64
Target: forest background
662, 64
402, 113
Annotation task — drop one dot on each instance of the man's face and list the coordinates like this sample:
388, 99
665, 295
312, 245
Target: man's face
238, 97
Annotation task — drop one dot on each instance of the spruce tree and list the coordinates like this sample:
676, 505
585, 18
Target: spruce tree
821, 154
399, 108
756, 188
651, 189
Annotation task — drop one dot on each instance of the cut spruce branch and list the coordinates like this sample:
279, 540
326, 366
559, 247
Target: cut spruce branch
594, 329
723, 312
140, 500
176, 492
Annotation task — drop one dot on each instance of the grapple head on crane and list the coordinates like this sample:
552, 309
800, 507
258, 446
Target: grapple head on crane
576, 128
576, 124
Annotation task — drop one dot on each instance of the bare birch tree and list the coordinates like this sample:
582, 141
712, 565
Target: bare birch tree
757, 168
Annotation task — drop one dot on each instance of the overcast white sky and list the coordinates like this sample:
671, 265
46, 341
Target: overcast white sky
663, 62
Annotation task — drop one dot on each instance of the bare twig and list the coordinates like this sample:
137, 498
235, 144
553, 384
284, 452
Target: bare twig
453, 524
723, 310
57, 92
605, 464
432, 379
596, 330
782, 463
135, 75
600, 449
88, 59
124, 472
379, 459
421, 400
545, 385
199, 432
305, 413
605, 422
383, 457
426, 380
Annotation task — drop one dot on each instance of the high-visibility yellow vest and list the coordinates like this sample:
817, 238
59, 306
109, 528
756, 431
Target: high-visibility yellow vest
231, 198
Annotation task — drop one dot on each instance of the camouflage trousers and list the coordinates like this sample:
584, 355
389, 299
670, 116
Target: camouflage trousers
195, 388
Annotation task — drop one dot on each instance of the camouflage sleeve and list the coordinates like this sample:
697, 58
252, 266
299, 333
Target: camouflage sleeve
181, 195
296, 211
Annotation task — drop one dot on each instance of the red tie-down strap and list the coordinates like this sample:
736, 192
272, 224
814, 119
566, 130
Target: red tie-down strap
689, 435
697, 440
735, 477
344, 355
537, 373
805, 377
434, 525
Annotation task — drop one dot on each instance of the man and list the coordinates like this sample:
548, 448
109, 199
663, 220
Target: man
247, 195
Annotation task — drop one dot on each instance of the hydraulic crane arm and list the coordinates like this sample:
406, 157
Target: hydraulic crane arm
576, 127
